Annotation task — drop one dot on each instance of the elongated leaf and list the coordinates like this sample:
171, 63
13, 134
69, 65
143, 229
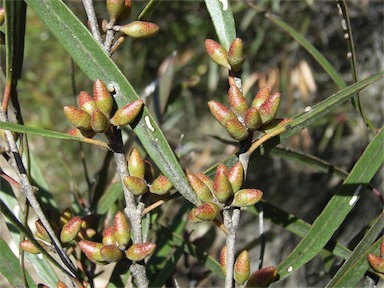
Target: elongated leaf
337, 209
113, 193
355, 267
92, 59
222, 19
10, 266
311, 49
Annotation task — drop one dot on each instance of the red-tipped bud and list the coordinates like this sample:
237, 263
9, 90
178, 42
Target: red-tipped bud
274, 125
236, 129
222, 188
29, 247
92, 251
242, 268
70, 229
207, 211
123, 230
2, 16
202, 190
237, 101
206, 180
41, 232
223, 259
192, 217
220, 112
99, 122
252, 119
138, 252
236, 54
268, 109
260, 97
376, 262
86, 102
127, 10
79, 118
115, 8
111, 253
236, 176
127, 114
161, 185
263, 277
109, 236
217, 53
102, 97
136, 165
247, 197
135, 185
138, 29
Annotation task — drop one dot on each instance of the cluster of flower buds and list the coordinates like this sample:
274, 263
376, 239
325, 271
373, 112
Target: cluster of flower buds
222, 191
94, 113
139, 177
241, 118
241, 271
116, 242
73, 229
377, 261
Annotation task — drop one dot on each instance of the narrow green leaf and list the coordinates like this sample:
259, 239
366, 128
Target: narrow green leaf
310, 48
92, 59
10, 267
113, 193
337, 208
152, 4
222, 19
120, 275
355, 267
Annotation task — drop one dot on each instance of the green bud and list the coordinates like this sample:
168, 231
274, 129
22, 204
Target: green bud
123, 230
86, 102
217, 53
236, 176
92, 251
252, 119
135, 185
192, 217
109, 236
223, 259
237, 101
127, 114
115, 8
220, 112
138, 252
86, 233
247, 197
236, 55
136, 164
70, 229
268, 109
29, 247
206, 180
126, 11
376, 262
102, 97
236, 129
161, 185
79, 118
263, 277
242, 268
99, 122
202, 190
260, 97
41, 231
111, 253
138, 29
2, 16
207, 211
65, 216
222, 188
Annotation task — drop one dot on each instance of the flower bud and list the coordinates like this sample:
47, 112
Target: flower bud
274, 125
252, 119
41, 232
115, 8
61, 284
246, 197
220, 112
111, 253
70, 229
207, 211
206, 180
237, 101
138, 252
236, 176
136, 165
222, 188
127, 114
236, 55
75, 132
126, 11
260, 97
382, 249
192, 217
86, 233
99, 122
263, 277
79, 118
223, 259
92, 251
2, 16
161, 185
268, 109
123, 230
29, 247
202, 190
65, 216
376, 262
135, 185
86, 102
242, 268
236, 129
217, 53
109, 236
102, 97
138, 29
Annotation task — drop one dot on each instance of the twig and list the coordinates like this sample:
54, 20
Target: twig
88, 6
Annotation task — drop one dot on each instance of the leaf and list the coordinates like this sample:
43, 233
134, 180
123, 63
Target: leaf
337, 208
92, 59
222, 19
10, 267
113, 193
355, 267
